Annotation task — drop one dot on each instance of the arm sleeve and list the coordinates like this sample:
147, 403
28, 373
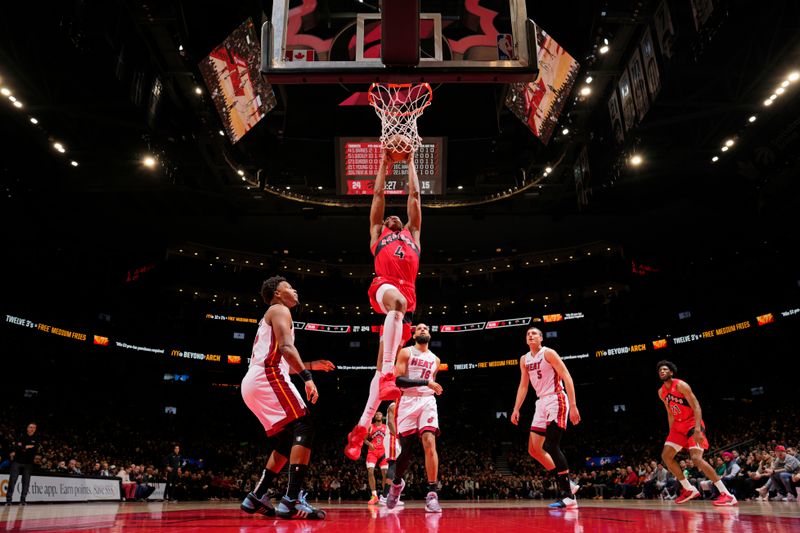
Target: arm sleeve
405, 382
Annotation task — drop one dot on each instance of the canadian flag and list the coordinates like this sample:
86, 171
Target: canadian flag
299, 55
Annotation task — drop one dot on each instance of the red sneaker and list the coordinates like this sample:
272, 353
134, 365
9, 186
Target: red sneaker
388, 390
725, 499
355, 440
687, 495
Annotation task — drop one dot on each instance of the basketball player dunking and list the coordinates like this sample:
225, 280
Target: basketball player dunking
417, 415
686, 430
273, 398
396, 250
376, 436
555, 392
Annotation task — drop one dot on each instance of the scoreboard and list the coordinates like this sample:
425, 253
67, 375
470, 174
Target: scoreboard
358, 160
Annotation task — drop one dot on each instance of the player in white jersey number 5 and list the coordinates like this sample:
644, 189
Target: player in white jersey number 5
416, 413
544, 369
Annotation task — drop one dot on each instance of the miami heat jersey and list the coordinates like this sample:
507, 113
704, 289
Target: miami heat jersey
676, 402
543, 376
421, 365
377, 432
396, 255
265, 350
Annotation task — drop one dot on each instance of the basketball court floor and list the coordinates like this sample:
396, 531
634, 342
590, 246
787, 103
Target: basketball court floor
458, 516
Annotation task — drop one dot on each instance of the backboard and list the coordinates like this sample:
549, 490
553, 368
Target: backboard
340, 41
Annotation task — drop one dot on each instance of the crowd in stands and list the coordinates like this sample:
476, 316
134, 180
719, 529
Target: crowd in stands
756, 460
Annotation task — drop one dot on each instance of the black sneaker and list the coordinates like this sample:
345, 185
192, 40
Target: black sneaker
299, 509
252, 505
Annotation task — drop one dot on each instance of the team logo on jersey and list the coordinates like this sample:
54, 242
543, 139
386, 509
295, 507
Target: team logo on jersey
431, 419
675, 399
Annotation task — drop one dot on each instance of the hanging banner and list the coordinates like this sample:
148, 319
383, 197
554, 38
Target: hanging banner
638, 85
626, 96
650, 65
616, 119
665, 31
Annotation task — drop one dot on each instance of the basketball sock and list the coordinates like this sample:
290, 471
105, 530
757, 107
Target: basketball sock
386, 489
432, 486
721, 487
685, 484
403, 460
264, 483
563, 484
297, 474
374, 493
372, 402
392, 335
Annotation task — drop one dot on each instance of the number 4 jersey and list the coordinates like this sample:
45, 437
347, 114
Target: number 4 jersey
396, 263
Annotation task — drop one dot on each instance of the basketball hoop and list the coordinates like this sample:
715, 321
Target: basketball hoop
399, 106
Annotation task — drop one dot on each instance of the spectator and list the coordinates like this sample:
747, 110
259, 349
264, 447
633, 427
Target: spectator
26, 448
783, 468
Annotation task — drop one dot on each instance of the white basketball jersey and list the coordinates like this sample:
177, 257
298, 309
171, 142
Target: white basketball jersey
421, 365
543, 376
265, 349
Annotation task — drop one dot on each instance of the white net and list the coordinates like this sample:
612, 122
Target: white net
399, 106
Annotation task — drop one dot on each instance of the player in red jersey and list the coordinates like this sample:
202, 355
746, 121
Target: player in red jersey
376, 434
396, 250
686, 430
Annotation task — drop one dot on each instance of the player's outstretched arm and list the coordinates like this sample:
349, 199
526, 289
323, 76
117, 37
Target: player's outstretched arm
401, 371
414, 204
553, 358
319, 365
522, 391
378, 207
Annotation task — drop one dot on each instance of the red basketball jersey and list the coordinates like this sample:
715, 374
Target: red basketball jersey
377, 432
676, 402
396, 255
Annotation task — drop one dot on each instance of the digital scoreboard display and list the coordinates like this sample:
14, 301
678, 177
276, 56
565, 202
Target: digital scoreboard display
358, 160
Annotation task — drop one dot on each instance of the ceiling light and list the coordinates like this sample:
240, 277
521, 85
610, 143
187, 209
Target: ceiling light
59, 147
767, 102
586, 91
18, 104
198, 90
785, 83
149, 162
589, 79
729, 142
604, 49
715, 159
34, 120
240, 172
287, 187
548, 170
565, 131
636, 160
794, 76
752, 118
5, 92
244, 179
724, 148
221, 133
73, 163
773, 96
460, 187
180, 48
12, 98
780, 90
319, 188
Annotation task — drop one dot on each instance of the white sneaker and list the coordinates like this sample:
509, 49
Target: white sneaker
791, 498
432, 503
382, 500
574, 487
394, 494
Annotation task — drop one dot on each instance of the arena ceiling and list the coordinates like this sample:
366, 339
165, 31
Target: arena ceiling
81, 67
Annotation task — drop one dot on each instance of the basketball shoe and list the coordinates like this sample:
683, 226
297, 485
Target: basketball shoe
387, 389
252, 504
298, 509
725, 499
564, 503
374, 500
687, 495
394, 494
355, 440
432, 503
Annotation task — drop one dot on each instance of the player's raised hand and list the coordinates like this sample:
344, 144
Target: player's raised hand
435, 387
311, 392
515, 417
574, 415
321, 365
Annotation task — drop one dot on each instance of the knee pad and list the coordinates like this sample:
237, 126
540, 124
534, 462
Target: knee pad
302, 432
283, 443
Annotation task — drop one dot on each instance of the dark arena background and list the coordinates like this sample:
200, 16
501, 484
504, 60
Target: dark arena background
635, 198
